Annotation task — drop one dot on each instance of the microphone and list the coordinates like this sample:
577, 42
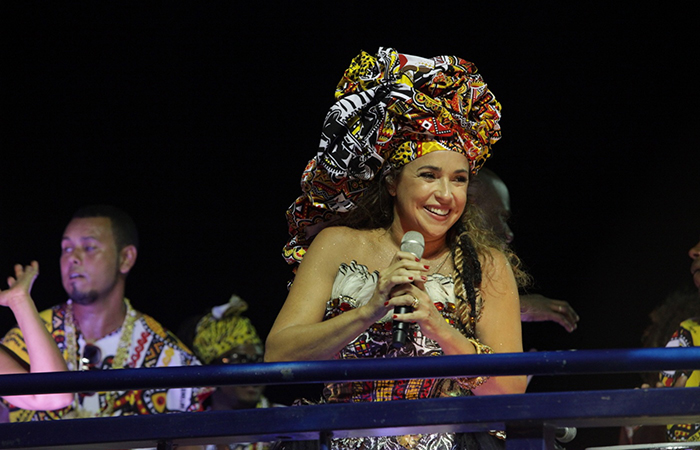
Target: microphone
412, 242
564, 434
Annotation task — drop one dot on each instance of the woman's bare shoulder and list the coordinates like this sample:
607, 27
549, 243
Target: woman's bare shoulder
492, 258
344, 235
348, 243
497, 272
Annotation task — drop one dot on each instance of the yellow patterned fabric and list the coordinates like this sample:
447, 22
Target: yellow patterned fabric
150, 345
687, 335
223, 329
390, 109
441, 102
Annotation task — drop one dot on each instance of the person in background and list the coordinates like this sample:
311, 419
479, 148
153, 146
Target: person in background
41, 349
488, 191
225, 336
98, 329
665, 320
686, 335
397, 151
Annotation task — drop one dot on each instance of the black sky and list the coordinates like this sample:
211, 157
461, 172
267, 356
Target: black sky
198, 120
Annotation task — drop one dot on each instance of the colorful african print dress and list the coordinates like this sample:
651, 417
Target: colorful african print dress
150, 345
353, 287
688, 335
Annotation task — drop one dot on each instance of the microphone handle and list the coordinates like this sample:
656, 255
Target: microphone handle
400, 330
414, 243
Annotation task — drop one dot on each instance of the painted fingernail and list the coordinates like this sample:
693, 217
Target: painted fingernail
386, 303
417, 259
424, 278
410, 278
426, 267
394, 316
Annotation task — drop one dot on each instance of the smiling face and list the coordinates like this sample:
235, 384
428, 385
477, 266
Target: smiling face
89, 259
431, 193
695, 266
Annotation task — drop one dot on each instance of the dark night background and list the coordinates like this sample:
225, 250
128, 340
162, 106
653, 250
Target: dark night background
198, 119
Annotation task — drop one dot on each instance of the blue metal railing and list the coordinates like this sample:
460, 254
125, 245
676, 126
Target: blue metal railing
528, 418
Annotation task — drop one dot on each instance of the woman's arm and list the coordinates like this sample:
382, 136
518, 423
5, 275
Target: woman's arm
41, 348
300, 333
500, 326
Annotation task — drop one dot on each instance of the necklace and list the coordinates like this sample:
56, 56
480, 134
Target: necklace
447, 255
71, 334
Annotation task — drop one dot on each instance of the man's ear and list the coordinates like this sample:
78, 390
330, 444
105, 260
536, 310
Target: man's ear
127, 258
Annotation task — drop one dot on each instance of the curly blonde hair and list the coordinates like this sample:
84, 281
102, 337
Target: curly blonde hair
473, 241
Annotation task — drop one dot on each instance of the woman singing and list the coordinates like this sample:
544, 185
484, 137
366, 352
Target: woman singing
397, 150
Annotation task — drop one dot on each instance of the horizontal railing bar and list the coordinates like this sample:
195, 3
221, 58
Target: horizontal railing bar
569, 362
462, 414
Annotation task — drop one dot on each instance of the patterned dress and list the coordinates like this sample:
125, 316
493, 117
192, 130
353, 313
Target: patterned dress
150, 345
688, 335
353, 287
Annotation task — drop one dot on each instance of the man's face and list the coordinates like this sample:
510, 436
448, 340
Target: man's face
695, 266
243, 396
89, 259
493, 198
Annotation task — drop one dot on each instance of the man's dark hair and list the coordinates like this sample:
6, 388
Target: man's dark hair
123, 226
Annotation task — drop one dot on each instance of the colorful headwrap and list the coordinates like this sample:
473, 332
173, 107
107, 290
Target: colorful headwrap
390, 110
222, 330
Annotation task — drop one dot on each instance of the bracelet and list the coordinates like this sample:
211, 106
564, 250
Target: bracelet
474, 382
480, 348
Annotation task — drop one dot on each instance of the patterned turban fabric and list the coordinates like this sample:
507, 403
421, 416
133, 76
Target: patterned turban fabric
390, 109
223, 329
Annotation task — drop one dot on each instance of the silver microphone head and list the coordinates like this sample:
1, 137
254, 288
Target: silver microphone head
414, 243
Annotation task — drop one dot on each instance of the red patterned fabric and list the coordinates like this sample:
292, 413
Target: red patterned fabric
391, 109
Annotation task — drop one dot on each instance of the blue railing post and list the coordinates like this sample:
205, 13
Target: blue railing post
529, 437
324, 440
165, 445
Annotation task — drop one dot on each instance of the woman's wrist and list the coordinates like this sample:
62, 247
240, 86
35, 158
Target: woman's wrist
369, 313
455, 343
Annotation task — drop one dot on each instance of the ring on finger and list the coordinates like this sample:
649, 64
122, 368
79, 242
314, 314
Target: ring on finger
415, 302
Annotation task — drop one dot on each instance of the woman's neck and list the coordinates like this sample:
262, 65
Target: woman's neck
433, 248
